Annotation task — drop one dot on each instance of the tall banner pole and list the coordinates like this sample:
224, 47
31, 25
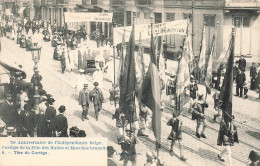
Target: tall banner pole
114, 71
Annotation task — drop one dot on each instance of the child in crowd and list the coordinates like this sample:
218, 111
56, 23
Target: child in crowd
245, 86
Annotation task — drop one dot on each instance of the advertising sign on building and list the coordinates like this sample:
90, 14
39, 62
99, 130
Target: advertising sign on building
174, 27
87, 17
242, 3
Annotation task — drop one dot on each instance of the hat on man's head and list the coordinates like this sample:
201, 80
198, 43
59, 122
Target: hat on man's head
110, 150
96, 84
82, 133
85, 85
253, 156
51, 100
62, 108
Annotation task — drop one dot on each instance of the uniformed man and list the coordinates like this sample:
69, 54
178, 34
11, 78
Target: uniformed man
84, 101
145, 113
199, 114
193, 90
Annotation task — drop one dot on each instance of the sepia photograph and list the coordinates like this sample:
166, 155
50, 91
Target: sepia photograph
129, 82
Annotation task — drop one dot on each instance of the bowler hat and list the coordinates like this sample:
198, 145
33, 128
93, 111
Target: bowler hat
82, 133
253, 156
96, 83
110, 150
62, 108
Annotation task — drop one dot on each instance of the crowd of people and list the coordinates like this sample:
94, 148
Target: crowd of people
22, 111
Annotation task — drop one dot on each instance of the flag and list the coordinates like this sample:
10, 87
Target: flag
190, 54
151, 94
161, 61
226, 91
202, 60
122, 60
139, 69
128, 79
183, 78
208, 79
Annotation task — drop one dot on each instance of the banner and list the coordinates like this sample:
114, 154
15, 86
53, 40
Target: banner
87, 17
175, 27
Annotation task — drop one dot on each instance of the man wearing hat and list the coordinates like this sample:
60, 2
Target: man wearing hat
198, 109
84, 101
110, 156
97, 98
61, 123
7, 111
49, 116
242, 63
253, 75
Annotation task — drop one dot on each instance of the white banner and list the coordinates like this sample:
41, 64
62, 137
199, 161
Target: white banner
86, 17
175, 27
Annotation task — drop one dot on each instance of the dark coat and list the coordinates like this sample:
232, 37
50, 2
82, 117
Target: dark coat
61, 125
41, 126
242, 64
8, 114
235, 72
241, 78
29, 120
96, 96
193, 90
253, 72
50, 113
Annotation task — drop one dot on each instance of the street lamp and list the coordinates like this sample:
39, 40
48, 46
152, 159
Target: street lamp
36, 55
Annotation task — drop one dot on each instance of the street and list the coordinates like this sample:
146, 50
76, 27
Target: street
197, 151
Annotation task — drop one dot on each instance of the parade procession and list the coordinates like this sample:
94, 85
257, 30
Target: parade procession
165, 82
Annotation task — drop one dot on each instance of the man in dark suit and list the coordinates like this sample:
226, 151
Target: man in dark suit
50, 115
29, 122
241, 78
110, 156
84, 101
97, 98
235, 71
242, 63
253, 75
8, 114
61, 123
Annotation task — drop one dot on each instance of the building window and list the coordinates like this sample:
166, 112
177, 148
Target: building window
157, 18
243, 37
170, 39
128, 18
209, 21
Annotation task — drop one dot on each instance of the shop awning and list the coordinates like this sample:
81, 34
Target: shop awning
21, 10
12, 67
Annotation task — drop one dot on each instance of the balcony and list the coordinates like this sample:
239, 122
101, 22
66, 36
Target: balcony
117, 2
143, 2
